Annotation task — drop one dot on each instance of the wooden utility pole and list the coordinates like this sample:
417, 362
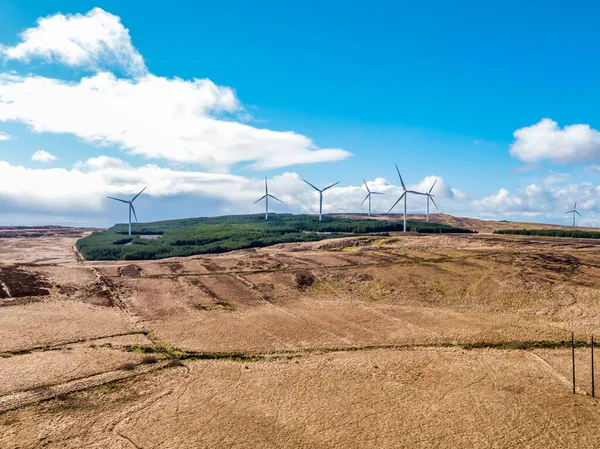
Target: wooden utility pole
573, 357
593, 394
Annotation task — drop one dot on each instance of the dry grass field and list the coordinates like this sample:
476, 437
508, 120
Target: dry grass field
402, 341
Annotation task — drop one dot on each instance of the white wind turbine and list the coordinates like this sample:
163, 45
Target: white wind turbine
430, 197
369, 196
266, 197
131, 208
320, 195
404, 195
574, 211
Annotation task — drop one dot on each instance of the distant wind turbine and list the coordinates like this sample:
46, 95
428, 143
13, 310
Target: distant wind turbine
430, 197
320, 195
574, 211
266, 197
131, 208
369, 196
404, 195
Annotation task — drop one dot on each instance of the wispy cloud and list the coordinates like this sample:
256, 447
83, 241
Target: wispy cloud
553, 177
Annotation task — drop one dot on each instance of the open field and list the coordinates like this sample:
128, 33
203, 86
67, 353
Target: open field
387, 341
384, 399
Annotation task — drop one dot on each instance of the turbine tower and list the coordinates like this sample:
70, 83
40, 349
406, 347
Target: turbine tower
369, 196
574, 211
430, 197
266, 197
404, 195
320, 195
131, 208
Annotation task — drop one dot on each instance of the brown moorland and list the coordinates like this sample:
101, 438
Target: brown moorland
400, 341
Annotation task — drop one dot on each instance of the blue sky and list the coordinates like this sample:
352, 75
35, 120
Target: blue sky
438, 88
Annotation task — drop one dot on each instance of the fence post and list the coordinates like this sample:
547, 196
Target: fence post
573, 357
593, 394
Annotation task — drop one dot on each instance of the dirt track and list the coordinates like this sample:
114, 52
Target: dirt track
302, 368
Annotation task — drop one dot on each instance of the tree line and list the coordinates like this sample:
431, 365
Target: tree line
552, 233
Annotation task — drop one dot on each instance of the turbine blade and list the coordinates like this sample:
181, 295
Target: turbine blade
569, 212
133, 210
397, 201
266, 187
578, 214
366, 197
400, 176
366, 185
133, 199
575, 206
274, 197
261, 198
377, 193
318, 190
433, 185
329, 187
117, 199
434, 203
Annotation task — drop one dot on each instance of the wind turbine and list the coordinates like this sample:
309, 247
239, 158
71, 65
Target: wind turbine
320, 195
430, 197
266, 197
131, 208
574, 211
369, 195
404, 195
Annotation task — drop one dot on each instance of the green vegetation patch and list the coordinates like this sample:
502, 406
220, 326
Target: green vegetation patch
553, 233
188, 237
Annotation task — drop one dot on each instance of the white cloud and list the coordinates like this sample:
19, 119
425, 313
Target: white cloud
99, 163
159, 118
184, 121
546, 140
348, 198
4, 136
86, 185
43, 156
543, 200
72, 192
93, 41
441, 188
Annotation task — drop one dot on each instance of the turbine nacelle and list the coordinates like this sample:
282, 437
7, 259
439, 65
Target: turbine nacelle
574, 211
404, 195
131, 208
430, 197
266, 197
320, 195
368, 197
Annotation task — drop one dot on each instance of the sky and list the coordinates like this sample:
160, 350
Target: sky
200, 101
